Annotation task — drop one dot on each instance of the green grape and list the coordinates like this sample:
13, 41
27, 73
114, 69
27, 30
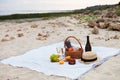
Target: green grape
54, 58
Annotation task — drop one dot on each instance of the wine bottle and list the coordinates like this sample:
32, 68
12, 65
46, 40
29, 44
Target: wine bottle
68, 45
88, 45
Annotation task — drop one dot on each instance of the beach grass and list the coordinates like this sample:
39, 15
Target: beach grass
36, 15
87, 18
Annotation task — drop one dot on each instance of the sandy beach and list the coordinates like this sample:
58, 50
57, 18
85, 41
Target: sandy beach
20, 36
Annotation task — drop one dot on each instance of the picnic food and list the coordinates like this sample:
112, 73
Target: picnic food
88, 45
68, 58
72, 61
61, 62
54, 58
68, 45
89, 56
70, 49
74, 52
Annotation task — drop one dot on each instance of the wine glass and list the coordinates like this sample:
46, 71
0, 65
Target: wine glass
58, 49
61, 52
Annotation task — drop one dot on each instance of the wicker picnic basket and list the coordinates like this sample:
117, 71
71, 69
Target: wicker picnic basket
74, 54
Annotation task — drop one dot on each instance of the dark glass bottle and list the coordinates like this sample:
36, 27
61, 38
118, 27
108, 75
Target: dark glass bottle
68, 44
88, 45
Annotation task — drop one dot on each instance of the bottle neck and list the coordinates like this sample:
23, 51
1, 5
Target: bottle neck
87, 38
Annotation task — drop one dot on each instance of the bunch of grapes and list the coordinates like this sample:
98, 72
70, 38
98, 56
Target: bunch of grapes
54, 58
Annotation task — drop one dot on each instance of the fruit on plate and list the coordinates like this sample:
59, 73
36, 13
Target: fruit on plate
61, 62
54, 58
68, 58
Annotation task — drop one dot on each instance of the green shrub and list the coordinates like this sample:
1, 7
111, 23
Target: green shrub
118, 11
87, 18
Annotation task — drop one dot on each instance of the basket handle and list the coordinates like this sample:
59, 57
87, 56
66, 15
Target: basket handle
74, 38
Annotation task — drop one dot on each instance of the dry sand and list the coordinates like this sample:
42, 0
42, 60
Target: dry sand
20, 36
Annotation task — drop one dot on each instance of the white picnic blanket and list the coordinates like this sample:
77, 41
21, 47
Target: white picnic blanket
38, 59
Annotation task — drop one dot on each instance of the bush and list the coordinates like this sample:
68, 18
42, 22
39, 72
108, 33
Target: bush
87, 18
118, 11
